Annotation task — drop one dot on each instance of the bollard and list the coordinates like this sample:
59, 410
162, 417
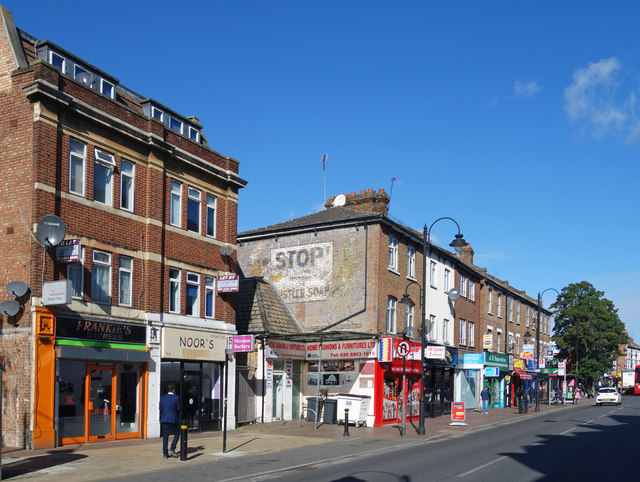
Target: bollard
183, 443
346, 423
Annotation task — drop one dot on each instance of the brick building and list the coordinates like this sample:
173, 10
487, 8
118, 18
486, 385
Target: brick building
150, 217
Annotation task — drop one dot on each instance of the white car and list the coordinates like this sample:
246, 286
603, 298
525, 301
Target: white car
608, 395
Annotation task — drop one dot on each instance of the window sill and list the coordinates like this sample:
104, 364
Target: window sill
393, 270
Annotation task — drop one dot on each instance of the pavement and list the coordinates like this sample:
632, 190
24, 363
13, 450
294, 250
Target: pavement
115, 459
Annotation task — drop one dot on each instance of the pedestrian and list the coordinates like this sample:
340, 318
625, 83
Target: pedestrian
484, 395
170, 407
532, 395
576, 395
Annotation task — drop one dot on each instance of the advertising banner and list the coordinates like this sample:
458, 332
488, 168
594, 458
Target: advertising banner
457, 413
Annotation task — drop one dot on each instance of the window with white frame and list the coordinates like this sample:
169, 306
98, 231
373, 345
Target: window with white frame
75, 273
463, 285
517, 344
534, 318
157, 114
471, 341
174, 290
527, 317
472, 290
462, 329
126, 185
411, 262
391, 314
107, 88
393, 253
512, 342
77, 166
209, 297
176, 125
193, 210
175, 214
212, 204
57, 61
193, 294
433, 332
490, 301
101, 278
125, 284
447, 278
77, 72
103, 167
432, 273
518, 312
499, 305
445, 331
511, 309
409, 311
194, 134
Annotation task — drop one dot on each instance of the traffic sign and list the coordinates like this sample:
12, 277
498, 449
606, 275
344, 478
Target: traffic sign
403, 348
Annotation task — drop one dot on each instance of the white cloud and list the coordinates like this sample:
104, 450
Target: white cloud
525, 89
592, 101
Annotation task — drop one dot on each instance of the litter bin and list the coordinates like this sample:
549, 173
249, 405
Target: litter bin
312, 411
523, 402
330, 408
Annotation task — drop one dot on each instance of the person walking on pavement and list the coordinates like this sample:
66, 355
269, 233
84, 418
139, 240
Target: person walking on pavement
484, 395
170, 407
532, 395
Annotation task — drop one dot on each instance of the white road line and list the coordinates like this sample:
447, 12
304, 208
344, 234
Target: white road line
567, 431
482, 466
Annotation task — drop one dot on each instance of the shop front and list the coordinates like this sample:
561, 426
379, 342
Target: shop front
100, 380
520, 380
468, 379
496, 368
439, 378
194, 362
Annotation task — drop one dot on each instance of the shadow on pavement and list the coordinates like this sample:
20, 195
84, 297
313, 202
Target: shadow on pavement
41, 462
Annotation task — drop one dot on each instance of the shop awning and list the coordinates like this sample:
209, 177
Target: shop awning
522, 374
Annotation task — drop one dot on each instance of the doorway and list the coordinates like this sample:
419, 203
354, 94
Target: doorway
100, 403
278, 394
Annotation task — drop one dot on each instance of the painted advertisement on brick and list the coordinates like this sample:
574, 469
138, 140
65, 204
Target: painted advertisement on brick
302, 273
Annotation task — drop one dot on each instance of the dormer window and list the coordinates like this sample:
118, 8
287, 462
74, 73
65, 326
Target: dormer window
57, 61
107, 88
82, 75
157, 114
176, 125
194, 134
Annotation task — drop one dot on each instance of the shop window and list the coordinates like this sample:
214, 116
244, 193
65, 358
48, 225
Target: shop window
71, 406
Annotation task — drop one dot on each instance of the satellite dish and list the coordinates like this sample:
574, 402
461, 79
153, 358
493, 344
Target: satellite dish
17, 288
454, 294
410, 331
340, 200
84, 77
51, 230
9, 308
226, 250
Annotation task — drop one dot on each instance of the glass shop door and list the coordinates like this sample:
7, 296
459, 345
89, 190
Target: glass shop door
101, 381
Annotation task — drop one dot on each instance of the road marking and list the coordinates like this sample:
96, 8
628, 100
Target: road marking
567, 431
482, 466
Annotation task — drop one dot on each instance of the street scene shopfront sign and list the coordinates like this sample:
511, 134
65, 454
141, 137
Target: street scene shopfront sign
496, 360
193, 345
243, 343
102, 331
330, 350
67, 251
228, 283
435, 352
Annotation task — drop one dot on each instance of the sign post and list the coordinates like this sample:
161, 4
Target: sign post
403, 350
458, 414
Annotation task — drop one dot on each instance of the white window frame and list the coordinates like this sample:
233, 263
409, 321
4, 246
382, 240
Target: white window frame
122, 272
393, 253
94, 285
528, 316
471, 338
499, 340
472, 290
112, 88
490, 301
174, 122
77, 70
131, 191
411, 262
79, 265
518, 312
499, 305
511, 338
64, 61
433, 333
209, 294
433, 273
212, 206
462, 332
193, 279
511, 309
463, 285
157, 114
517, 343
194, 196
409, 315
192, 131
447, 280
392, 305
445, 331
104, 160
75, 157
174, 287
175, 214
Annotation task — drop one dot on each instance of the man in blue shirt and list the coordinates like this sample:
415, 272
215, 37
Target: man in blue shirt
170, 420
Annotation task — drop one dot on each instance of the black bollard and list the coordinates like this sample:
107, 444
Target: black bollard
183, 443
346, 423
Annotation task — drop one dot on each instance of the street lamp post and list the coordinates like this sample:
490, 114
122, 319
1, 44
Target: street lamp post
458, 243
538, 345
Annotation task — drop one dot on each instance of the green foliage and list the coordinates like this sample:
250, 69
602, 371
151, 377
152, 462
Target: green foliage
590, 322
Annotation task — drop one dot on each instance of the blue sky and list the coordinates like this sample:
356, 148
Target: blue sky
517, 119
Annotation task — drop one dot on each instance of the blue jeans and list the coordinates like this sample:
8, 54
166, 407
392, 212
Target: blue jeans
485, 406
169, 429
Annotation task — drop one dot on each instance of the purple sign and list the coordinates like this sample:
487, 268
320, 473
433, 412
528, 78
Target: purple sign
228, 283
243, 343
68, 251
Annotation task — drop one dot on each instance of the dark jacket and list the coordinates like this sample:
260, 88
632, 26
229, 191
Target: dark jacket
170, 407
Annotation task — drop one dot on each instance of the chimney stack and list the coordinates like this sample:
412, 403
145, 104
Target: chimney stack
366, 201
466, 254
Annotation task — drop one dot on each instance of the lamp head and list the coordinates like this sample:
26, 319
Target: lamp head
406, 300
528, 337
458, 243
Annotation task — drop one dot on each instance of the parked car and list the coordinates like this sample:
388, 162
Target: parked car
608, 395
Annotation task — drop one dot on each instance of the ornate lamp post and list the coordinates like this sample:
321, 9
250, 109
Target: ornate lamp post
458, 243
538, 344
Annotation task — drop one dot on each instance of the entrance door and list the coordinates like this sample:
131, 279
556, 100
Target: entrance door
101, 402
190, 398
278, 395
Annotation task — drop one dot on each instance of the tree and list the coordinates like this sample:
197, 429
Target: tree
587, 331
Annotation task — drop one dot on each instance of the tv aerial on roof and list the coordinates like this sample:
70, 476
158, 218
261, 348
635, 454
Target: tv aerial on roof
51, 230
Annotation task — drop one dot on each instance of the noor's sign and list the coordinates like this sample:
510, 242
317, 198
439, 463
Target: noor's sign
193, 345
